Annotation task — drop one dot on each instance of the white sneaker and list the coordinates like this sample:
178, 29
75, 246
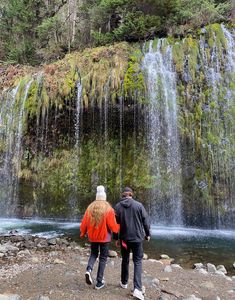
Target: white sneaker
124, 286
88, 278
138, 294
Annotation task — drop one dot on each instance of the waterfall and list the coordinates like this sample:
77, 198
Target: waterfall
78, 108
12, 121
219, 70
163, 138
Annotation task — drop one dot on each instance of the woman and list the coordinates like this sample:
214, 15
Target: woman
98, 222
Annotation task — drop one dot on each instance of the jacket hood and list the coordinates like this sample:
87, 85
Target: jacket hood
126, 202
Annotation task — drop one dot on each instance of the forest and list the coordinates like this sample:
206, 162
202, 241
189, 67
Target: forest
41, 31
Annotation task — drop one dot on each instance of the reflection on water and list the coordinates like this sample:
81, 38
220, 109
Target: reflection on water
186, 245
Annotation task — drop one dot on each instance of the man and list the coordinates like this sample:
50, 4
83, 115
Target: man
134, 228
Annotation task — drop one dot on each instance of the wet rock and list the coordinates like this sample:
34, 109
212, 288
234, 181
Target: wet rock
9, 297
211, 268
112, 253
222, 269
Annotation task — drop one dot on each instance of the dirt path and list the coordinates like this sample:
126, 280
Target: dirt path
59, 275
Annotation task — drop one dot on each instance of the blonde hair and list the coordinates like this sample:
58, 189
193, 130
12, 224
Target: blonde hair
96, 211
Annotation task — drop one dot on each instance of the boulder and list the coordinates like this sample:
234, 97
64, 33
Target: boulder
220, 273
211, 268
7, 247
203, 271
222, 269
198, 266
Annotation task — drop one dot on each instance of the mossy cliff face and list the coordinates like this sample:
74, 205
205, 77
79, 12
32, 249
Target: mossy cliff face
65, 154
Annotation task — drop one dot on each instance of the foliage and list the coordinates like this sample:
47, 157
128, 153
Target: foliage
36, 31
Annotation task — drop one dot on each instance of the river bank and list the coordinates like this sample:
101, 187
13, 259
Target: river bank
53, 269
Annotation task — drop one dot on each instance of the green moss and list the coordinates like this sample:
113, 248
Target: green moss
134, 77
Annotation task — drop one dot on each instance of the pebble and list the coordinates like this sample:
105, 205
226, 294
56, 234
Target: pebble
176, 266
164, 256
59, 261
168, 269
145, 257
112, 253
192, 297
43, 298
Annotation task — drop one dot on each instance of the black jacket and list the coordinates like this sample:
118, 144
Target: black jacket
133, 220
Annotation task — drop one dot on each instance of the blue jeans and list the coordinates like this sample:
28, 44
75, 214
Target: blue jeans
137, 250
103, 248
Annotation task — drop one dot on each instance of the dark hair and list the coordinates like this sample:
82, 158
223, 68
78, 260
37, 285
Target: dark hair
127, 192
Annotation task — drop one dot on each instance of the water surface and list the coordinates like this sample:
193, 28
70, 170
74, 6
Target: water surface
186, 245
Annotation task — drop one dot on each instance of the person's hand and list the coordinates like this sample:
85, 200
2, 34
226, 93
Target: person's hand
147, 238
117, 243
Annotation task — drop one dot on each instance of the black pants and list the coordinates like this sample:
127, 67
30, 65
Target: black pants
137, 250
103, 248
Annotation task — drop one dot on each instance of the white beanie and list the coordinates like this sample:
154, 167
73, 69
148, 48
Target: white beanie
100, 194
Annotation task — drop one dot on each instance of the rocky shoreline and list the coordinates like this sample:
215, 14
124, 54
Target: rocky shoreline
36, 268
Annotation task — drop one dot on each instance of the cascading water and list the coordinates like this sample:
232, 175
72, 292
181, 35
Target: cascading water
163, 136
12, 120
219, 70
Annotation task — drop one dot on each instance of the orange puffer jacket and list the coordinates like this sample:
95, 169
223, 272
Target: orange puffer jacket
102, 232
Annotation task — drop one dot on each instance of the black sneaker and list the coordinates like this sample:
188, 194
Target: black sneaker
99, 285
88, 278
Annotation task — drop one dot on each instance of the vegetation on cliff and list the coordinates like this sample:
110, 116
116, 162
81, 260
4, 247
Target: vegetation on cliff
37, 31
